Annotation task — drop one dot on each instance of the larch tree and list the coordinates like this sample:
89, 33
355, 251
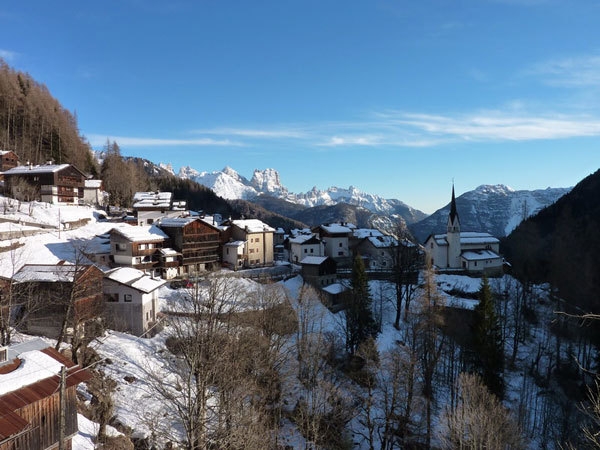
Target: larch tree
479, 420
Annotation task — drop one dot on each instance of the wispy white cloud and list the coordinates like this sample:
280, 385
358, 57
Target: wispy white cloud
336, 141
391, 129
97, 140
498, 126
7, 55
582, 71
276, 133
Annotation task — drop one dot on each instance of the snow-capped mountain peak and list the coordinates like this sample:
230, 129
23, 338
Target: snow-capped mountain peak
268, 181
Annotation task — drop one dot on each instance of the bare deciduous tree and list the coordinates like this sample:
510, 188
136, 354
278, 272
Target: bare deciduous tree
479, 420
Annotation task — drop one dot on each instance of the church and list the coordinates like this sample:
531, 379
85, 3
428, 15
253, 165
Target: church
463, 251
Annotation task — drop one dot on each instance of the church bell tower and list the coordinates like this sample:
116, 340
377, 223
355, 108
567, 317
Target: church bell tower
453, 235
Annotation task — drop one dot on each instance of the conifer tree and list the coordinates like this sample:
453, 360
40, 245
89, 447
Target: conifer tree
360, 323
488, 340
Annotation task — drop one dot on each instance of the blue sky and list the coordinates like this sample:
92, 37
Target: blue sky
396, 98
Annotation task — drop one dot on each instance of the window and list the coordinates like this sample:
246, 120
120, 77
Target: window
111, 298
127, 298
149, 221
3, 354
142, 247
312, 250
340, 244
431, 245
340, 253
121, 247
305, 250
256, 239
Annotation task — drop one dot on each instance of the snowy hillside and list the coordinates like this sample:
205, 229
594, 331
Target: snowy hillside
496, 209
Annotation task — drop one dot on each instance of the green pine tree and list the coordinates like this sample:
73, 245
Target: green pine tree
360, 323
488, 341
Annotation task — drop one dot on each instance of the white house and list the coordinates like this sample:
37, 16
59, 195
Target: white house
467, 251
233, 254
336, 237
258, 241
131, 299
304, 245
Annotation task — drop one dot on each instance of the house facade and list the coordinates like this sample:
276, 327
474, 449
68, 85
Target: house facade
196, 242
93, 193
258, 241
377, 249
319, 271
336, 238
8, 160
51, 183
30, 399
473, 252
131, 298
137, 246
304, 245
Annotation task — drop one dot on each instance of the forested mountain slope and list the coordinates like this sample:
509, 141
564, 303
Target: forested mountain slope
561, 244
36, 127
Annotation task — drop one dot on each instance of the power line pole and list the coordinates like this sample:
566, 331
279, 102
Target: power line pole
62, 401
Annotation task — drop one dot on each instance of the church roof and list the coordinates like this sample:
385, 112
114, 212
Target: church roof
468, 237
453, 211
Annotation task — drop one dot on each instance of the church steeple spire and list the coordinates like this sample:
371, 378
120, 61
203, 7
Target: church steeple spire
453, 220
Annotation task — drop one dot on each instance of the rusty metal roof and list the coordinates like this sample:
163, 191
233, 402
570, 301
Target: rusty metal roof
10, 403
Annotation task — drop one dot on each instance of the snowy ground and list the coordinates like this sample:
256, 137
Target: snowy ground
127, 358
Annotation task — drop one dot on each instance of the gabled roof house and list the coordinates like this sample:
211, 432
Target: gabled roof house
52, 183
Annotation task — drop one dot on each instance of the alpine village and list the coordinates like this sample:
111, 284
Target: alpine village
140, 310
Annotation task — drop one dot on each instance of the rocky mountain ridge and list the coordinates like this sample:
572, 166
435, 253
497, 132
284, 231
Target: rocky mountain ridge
496, 209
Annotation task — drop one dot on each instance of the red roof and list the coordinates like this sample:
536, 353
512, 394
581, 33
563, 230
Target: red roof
10, 422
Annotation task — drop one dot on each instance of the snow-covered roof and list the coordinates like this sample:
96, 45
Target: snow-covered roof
45, 273
35, 366
141, 233
335, 288
313, 260
338, 228
175, 222
44, 168
253, 225
235, 244
362, 233
93, 184
152, 199
477, 238
301, 239
135, 278
168, 251
383, 241
477, 255
468, 237
4, 152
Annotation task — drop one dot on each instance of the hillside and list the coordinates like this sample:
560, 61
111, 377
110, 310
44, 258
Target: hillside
493, 209
36, 127
560, 245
